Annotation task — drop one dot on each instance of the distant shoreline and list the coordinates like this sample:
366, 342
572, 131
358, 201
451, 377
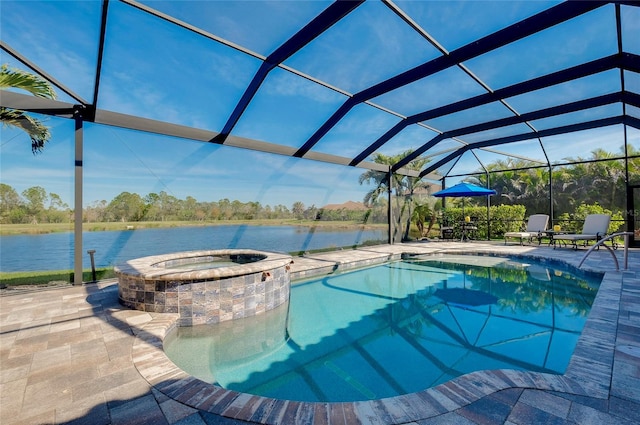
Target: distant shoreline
44, 228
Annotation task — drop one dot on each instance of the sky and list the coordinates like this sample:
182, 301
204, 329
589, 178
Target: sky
159, 71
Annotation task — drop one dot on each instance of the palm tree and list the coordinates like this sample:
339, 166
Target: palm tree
36, 85
405, 186
422, 212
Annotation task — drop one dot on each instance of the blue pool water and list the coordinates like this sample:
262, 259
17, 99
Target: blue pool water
396, 328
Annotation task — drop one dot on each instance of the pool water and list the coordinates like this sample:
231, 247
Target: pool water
396, 328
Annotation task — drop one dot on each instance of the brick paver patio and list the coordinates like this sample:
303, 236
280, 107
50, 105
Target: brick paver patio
74, 355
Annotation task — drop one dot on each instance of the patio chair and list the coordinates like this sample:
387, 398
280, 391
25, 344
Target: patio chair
446, 230
594, 228
536, 224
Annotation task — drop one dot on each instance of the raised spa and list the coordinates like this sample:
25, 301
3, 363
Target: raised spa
205, 287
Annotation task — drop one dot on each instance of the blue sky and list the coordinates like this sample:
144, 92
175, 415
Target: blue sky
159, 71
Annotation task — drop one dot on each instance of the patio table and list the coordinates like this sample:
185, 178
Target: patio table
467, 228
551, 233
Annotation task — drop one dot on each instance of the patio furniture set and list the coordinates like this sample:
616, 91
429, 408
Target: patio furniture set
595, 227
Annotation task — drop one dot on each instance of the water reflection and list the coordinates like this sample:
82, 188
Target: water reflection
389, 330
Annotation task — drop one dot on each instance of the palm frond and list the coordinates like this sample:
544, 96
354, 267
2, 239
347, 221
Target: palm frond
18, 79
38, 132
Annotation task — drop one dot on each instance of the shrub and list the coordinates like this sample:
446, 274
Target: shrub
573, 222
503, 218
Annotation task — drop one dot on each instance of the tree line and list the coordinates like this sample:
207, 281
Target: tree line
36, 205
599, 179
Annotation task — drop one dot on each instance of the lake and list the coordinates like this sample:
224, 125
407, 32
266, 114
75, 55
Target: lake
54, 251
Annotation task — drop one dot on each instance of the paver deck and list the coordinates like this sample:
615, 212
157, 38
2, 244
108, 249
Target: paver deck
74, 355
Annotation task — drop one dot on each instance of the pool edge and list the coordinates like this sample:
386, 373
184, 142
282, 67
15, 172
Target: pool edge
588, 374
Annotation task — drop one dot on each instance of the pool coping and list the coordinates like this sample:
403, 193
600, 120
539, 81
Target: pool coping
147, 267
588, 374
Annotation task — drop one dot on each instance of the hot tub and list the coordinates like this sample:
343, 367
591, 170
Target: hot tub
205, 287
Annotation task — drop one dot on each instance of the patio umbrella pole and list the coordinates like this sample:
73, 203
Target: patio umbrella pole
463, 236
462, 190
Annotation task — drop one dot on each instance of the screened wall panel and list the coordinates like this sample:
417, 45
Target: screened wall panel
63, 39
287, 109
362, 126
630, 29
633, 137
154, 163
448, 86
458, 23
583, 88
51, 169
208, 185
529, 188
591, 114
582, 39
600, 183
37, 192
261, 28
632, 81
370, 45
466, 164
497, 133
472, 116
410, 138
158, 84
512, 155
581, 144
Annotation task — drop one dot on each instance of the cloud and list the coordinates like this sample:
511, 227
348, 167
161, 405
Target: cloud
62, 39
291, 85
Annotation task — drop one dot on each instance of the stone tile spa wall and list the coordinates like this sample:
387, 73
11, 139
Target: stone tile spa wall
206, 295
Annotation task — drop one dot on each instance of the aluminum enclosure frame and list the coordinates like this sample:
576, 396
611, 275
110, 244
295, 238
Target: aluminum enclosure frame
82, 110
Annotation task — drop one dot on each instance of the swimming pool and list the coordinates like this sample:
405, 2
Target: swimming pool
396, 328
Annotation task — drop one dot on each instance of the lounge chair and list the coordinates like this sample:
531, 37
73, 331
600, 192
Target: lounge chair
536, 224
595, 228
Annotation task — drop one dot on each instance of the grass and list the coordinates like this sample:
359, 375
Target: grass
43, 228
51, 278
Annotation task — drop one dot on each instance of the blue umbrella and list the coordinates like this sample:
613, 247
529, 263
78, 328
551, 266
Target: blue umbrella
462, 190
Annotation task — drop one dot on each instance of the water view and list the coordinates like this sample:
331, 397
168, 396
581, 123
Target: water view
54, 251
